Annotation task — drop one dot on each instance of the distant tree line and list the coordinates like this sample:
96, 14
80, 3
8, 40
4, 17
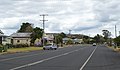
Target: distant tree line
58, 39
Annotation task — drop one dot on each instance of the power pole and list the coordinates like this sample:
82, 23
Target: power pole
115, 35
70, 32
43, 20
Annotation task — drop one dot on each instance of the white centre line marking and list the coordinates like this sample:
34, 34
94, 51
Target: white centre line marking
37, 62
88, 59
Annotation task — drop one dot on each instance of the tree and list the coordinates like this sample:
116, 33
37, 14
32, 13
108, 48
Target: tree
63, 35
99, 39
117, 40
37, 33
106, 34
107, 38
86, 39
69, 41
58, 39
26, 27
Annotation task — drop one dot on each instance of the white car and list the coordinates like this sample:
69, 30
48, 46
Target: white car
50, 47
94, 44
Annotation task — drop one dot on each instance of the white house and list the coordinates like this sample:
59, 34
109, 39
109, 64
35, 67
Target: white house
20, 38
49, 37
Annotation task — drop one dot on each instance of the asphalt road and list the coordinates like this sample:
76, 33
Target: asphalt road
69, 58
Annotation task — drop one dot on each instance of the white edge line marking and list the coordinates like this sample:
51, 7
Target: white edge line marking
88, 59
37, 62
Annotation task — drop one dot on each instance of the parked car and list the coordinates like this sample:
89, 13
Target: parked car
94, 44
50, 47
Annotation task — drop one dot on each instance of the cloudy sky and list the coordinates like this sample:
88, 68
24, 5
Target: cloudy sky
87, 17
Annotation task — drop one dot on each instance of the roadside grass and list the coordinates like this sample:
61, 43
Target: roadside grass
26, 49
117, 49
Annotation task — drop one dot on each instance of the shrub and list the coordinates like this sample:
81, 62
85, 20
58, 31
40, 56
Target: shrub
1, 45
69, 42
20, 45
9, 45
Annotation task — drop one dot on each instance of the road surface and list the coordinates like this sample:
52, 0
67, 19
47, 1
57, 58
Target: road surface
69, 58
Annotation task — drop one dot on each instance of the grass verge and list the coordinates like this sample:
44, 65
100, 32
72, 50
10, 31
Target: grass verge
26, 49
117, 49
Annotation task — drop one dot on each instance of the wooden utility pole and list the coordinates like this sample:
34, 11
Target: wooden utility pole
70, 32
43, 20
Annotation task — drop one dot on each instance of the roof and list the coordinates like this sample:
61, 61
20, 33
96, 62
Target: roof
2, 35
66, 39
1, 32
21, 35
52, 33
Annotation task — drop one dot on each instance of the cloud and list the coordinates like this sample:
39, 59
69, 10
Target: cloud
78, 15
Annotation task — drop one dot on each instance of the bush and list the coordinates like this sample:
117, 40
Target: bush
1, 45
9, 45
69, 42
20, 45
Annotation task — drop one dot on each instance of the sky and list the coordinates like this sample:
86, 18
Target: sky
88, 17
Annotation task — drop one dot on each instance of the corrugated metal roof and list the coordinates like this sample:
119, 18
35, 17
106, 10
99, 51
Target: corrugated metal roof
21, 35
1, 32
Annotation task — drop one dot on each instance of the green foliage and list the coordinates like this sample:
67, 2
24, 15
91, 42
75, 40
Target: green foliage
99, 39
117, 40
69, 42
58, 39
20, 45
26, 27
37, 33
106, 34
1, 45
86, 39
9, 45
63, 35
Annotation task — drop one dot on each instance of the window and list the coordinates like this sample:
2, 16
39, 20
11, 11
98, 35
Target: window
18, 41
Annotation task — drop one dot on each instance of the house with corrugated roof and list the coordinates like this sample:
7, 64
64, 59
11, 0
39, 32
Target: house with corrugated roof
20, 38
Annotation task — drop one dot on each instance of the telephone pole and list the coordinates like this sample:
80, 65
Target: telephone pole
43, 20
70, 32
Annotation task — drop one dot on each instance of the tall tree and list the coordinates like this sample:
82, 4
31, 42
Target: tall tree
106, 34
98, 39
117, 41
26, 27
63, 35
58, 39
37, 33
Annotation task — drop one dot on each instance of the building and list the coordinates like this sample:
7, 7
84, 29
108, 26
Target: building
50, 37
65, 40
4, 39
20, 38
